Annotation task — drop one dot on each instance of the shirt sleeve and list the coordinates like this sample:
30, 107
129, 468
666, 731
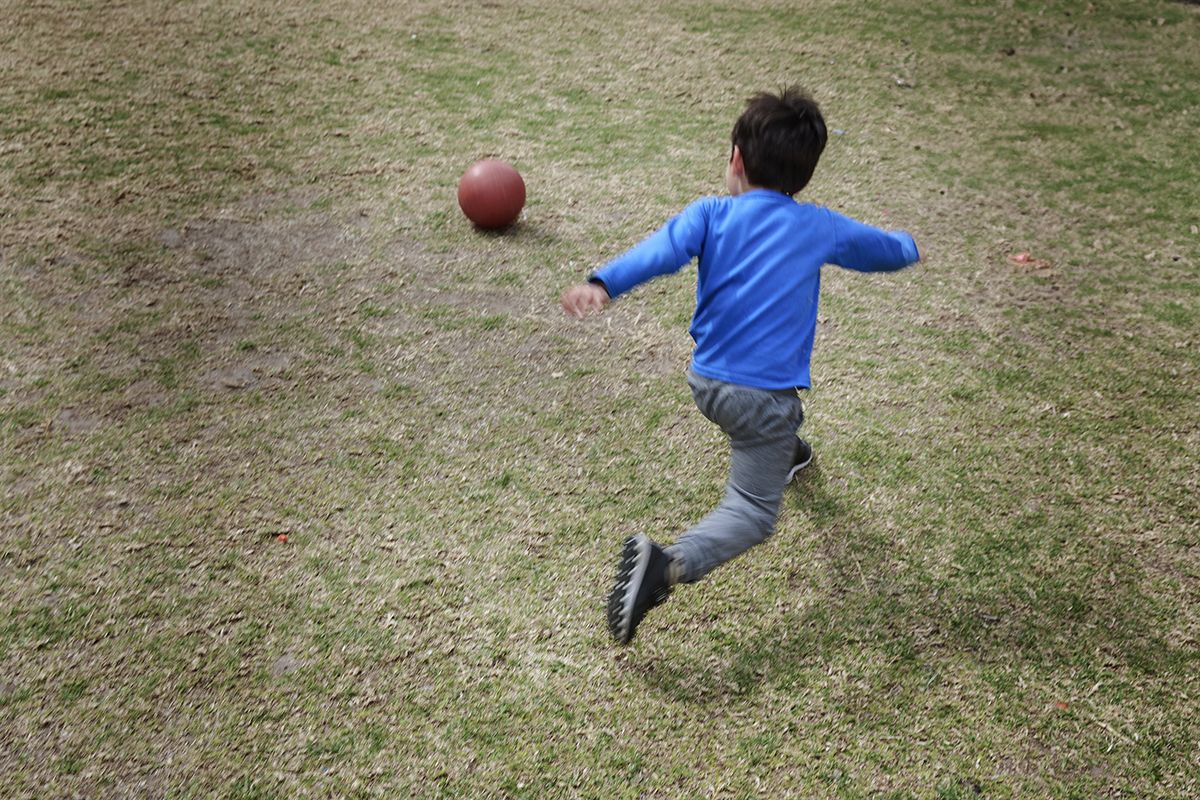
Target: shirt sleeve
665, 251
861, 247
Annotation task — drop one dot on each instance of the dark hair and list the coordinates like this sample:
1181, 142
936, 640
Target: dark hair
781, 138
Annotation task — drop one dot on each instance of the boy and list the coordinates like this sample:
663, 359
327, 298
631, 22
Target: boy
760, 257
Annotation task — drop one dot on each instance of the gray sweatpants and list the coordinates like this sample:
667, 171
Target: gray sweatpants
761, 425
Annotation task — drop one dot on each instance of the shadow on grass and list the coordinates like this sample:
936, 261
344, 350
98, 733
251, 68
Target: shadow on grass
903, 623
524, 231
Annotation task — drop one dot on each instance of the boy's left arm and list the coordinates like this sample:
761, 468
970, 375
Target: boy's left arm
862, 247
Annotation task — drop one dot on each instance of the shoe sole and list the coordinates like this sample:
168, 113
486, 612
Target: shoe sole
635, 558
797, 467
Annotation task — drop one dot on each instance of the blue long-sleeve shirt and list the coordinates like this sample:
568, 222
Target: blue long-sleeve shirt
760, 257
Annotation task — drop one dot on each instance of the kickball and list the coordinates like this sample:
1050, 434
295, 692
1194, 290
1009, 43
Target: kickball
491, 194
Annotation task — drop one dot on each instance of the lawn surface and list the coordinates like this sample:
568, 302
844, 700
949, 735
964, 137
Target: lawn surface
307, 488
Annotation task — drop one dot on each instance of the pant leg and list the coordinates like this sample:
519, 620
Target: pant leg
761, 426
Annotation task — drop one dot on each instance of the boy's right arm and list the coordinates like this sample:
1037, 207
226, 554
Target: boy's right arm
665, 251
867, 249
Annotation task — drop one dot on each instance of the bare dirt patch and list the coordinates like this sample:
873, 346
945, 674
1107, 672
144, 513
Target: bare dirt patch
73, 421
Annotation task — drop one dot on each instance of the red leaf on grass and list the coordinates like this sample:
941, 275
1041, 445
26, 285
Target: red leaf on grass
1027, 261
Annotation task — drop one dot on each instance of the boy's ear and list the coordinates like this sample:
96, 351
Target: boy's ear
735, 161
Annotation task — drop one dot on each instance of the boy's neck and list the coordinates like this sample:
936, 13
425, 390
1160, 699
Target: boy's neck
740, 186
734, 191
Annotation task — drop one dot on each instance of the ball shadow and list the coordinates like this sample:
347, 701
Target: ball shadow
530, 231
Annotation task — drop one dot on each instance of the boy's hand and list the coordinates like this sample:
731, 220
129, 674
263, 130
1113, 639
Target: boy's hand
584, 299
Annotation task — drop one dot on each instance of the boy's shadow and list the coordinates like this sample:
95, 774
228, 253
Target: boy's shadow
751, 659
865, 603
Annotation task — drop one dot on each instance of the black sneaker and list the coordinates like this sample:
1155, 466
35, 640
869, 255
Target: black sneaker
801, 459
641, 584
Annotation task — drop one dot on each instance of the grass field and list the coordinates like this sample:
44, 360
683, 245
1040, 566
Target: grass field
307, 489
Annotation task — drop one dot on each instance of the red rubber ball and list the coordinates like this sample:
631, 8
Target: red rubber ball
491, 193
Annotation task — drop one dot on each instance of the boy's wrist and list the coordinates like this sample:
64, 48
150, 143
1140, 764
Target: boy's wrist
595, 281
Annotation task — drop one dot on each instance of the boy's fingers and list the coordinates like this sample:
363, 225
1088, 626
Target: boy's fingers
579, 301
567, 301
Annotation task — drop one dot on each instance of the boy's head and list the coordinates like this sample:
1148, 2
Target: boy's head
780, 138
